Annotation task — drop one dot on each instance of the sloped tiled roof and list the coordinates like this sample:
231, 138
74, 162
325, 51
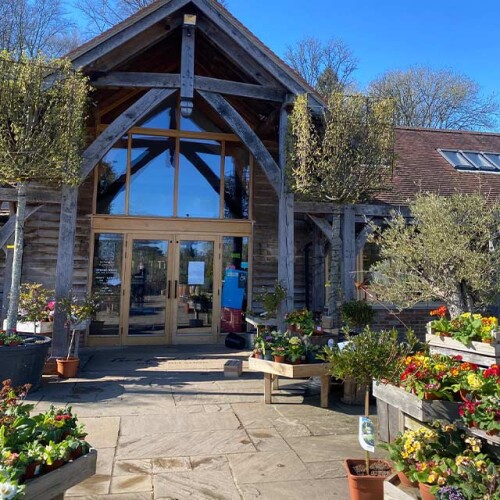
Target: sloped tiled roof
421, 168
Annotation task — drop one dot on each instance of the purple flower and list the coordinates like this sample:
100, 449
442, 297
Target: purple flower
450, 493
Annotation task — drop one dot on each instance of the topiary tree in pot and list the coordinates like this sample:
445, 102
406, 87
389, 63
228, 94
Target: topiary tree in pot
363, 358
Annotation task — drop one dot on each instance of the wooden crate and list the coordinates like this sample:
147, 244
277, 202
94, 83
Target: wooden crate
55, 483
478, 352
395, 407
394, 491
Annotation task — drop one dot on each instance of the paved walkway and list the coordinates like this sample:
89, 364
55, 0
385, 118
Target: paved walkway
168, 425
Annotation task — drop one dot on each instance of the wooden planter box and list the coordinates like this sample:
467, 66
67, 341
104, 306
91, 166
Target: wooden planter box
394, 491
55, 483
42, 328
479, 353
395, 407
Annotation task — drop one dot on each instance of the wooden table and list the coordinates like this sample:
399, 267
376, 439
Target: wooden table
274, 370
261, 324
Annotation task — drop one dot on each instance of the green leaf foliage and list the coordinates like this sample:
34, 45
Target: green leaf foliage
42, 112
346, 154
449, 252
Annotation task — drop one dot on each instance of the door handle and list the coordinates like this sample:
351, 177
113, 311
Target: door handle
168, 291
175, 290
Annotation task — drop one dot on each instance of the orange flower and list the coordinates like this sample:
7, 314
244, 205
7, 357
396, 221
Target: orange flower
441, 312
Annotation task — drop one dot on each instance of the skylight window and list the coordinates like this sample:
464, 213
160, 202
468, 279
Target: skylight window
472, 161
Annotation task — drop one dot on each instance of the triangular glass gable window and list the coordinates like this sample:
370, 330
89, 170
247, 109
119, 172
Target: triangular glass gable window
203, 119
163, 117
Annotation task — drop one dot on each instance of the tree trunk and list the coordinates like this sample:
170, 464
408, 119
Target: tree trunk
456, 303
335, 276
17, 260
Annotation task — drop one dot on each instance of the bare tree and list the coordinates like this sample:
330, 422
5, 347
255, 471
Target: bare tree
328, 66
103, 14
33, 27
424, 97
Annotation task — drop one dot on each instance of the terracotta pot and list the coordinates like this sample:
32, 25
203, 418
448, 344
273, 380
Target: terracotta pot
32, 470
405, 480
55, 465
472, 425
297, 362
365, 487
279, 359
493, 432
487, 341
258, 355
67, 368
465, 395
425, 491
444, 334
429, 396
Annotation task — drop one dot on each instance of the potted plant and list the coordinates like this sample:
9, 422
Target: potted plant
36, 309
295, 351
356, 315
366, 357
79, 312
33, 445
300, 322
271, 299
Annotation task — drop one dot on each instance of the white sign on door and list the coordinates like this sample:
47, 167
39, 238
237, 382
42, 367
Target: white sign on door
196, 273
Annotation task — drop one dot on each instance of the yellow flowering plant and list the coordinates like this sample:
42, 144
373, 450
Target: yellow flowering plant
470, 327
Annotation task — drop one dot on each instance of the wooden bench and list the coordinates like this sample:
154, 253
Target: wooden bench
274, 370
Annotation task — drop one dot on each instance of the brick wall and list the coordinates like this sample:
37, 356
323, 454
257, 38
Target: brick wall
412, 318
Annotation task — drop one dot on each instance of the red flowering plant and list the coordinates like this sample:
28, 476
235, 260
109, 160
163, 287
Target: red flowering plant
431, 377
483, 414
441, 325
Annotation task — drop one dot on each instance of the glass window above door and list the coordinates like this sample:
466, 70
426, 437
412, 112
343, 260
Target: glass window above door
157, 170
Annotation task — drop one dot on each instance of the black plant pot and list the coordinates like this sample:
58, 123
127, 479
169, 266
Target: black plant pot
23, 364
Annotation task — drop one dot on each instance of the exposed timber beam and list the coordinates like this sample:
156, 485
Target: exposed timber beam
361, 209
187, 64
286, 226
7, 230
362, 238
323, 225
32, 196
147, 19
348, 265
104, 142
172, 81
267, 60
233, 51
241, 128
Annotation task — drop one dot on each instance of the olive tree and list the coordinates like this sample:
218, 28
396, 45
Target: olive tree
42, 111
449, 251
344, 155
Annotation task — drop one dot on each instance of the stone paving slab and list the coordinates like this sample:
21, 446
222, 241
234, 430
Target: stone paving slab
184, 444
265, 467
324, 489
196, 484
168, 425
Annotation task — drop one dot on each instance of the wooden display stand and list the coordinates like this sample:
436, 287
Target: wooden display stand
393, 490
397, 409
479, 353
274, 370
52, 486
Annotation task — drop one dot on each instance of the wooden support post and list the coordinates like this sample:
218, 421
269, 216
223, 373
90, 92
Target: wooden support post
7, 278
334, 289
286, 241
187, 64
325, 390
276, 382
362, 238
318, 271
348, 253
268, 388
64, 266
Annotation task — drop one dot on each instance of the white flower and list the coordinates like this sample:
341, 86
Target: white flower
8, 490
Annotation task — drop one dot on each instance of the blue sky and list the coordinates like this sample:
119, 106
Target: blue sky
388, 34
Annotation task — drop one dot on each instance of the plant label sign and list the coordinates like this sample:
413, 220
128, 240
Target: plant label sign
366, 434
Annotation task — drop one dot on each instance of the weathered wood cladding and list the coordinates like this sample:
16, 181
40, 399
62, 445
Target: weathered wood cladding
41, 241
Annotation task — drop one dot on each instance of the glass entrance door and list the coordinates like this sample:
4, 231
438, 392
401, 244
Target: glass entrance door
147, 318
195, 307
